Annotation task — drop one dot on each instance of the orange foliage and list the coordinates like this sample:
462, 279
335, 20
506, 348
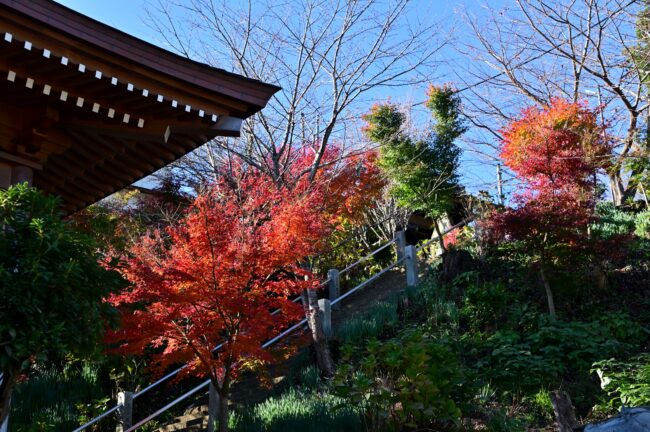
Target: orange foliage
349, 183
556, 145
217, 276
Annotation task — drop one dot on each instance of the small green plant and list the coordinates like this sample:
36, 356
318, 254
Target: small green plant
406, 382
369, 325
500, 421
626, 382
612, 222
542, 402
298, 410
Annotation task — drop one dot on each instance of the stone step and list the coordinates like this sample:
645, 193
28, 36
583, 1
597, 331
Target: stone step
195, 421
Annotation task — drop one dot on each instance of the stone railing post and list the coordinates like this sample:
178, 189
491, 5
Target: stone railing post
334, 285
124, 411
411, 266
325, 308
400, 243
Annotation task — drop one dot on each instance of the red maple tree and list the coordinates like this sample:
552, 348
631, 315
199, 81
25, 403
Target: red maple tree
555, 151
217, 276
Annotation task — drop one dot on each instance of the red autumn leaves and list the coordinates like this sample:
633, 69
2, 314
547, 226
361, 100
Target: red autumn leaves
218, 275
555, 151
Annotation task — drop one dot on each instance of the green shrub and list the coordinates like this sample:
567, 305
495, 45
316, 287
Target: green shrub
626, 382
622, 327
612, 222
526, 363
408, 381
642, 224
484, 304
298, 410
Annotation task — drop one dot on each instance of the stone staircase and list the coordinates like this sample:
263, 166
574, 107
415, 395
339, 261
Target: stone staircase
193, 420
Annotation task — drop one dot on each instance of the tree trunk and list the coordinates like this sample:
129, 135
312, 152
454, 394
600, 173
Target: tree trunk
6, 389
617, 189
223, 412
564, 413
321, 345
547, 288
441, 241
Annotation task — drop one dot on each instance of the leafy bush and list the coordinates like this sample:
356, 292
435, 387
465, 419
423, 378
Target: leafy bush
622, 327
526, 363
484, 304
298, 410
612, 222
642, 224
51, 285
626, 382
408, 381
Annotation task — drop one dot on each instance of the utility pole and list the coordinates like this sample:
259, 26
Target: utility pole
499, 185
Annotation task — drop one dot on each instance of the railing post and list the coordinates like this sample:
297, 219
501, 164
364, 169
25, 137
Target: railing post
411, 266
334, 285
124, 411
213, 408
400, 243
325, 308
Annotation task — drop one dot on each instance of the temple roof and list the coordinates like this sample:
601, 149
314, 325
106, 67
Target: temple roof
92, 109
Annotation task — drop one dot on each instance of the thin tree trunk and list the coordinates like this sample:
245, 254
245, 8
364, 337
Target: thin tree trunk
321, 345
547, 288
224, 395
6, 389
564, 412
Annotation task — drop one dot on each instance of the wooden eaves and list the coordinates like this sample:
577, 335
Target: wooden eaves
89, 109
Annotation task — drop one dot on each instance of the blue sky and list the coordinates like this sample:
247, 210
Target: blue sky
131, 15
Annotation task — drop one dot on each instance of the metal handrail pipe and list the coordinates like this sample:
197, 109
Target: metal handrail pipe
202, 385
447, 231
96, 419
265, 345
169, 405
161, 380
370, 255
284, 333
366, 282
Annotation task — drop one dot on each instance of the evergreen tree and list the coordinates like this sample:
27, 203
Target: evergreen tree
423, 172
